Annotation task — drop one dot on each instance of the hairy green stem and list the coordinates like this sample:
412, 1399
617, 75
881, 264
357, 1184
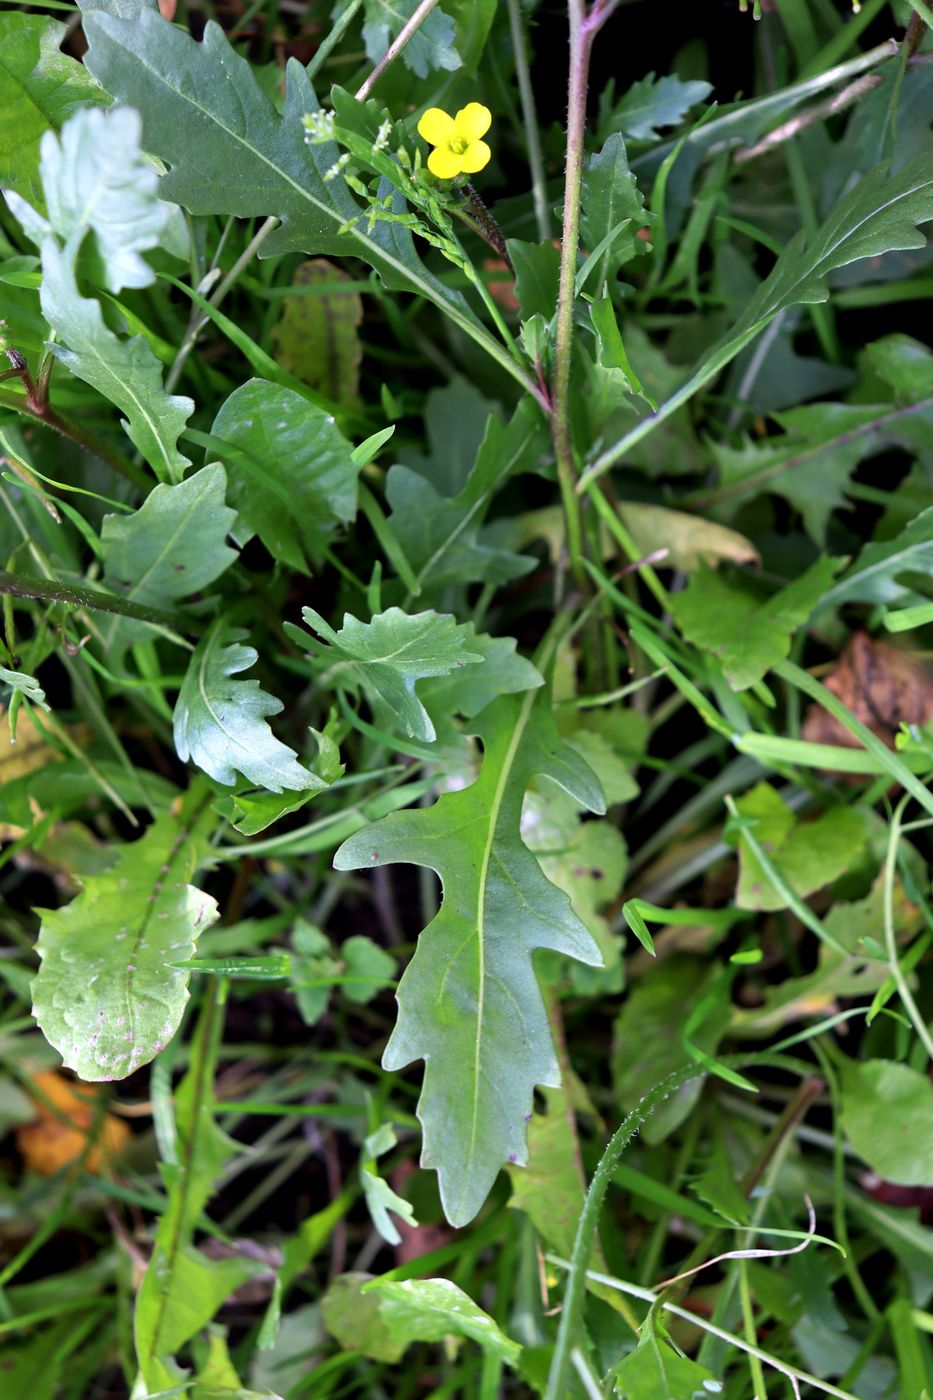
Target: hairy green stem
530, 119
581, 42
47, 416
54, 592
558, 1378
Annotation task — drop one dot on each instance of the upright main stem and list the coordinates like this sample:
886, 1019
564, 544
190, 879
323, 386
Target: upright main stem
580, 45
583, 28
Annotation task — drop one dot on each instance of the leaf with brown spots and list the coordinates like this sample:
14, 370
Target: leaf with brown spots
110, 992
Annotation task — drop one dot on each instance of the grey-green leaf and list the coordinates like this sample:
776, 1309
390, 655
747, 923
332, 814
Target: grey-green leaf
385, 657
291, 471
174, 545
125, 371
469, 1002
95, 179
220, 724
108, 995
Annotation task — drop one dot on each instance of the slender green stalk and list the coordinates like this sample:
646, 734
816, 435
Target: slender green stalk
530, 120
890, 939
198, 321
328, 45
53, 591
558, 1377
395, 48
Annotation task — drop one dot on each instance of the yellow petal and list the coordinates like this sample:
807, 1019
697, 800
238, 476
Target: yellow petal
435, 126
476, 155
444, 163
473, 121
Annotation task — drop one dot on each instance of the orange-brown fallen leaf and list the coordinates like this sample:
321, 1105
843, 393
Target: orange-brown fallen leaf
53, 1140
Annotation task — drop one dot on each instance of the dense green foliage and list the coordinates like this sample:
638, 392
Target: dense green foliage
464, 783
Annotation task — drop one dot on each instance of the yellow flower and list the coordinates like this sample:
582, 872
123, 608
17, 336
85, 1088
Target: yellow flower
458, 148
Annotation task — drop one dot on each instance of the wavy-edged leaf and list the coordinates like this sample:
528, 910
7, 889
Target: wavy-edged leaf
748, 637
875, 575
385, 1320
469, 1002
125, 371
291, 470
174, 545
431, 47
220, 723
807, 855
611, 204
108, 995
379, 1196
95, 179
231, 152
655, 1371
655, 102
504, 672
442, 536
40, 88
384, 658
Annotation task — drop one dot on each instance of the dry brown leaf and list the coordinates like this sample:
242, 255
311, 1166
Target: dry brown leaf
883, 686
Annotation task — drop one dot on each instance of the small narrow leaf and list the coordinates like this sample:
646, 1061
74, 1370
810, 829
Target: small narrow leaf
220, 724
748, 637
107, 994
469, 1003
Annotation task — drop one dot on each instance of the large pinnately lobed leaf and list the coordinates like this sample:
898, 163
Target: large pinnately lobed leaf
230, 152
469, 1003
109, 994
